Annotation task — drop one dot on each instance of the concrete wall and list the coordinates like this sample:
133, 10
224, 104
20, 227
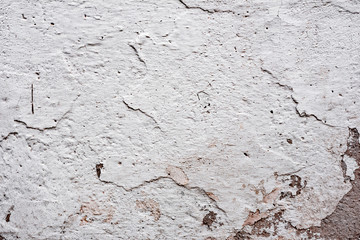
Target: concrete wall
179, 119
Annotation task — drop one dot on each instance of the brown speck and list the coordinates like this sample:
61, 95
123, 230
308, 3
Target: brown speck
7, 218
98, 169
209, 219
289, 141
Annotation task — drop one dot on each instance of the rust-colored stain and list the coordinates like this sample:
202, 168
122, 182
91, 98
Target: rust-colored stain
151, 206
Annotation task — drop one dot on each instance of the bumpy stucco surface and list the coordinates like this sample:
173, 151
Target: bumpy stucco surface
179, 119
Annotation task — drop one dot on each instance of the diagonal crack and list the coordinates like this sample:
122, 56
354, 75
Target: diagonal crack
278, 83
211, 11
303, 114
287, 87
137, 54
141, 111
7, 136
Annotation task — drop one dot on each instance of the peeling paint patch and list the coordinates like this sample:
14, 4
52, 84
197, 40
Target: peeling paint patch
177, 174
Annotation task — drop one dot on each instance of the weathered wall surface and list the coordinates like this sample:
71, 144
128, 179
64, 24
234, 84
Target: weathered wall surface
179, 119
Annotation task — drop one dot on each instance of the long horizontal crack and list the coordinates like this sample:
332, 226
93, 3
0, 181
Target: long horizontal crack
211, 11
341, 9
199, 189
47, 128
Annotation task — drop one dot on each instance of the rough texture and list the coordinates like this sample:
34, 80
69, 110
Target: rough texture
179, 119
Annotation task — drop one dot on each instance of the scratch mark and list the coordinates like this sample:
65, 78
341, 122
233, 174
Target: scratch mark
199, 94
32, 98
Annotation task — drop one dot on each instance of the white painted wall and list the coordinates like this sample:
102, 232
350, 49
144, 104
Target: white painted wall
136, 119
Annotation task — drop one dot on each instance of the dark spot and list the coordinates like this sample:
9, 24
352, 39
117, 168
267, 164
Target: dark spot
241, 235
23, 16
295, 181
52, 23
119, 163
271, 111
246, 154
286, 194
289, 141
98, 169
7, 218
209, 219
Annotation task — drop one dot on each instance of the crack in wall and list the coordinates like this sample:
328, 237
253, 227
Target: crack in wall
341, 8
277, 83
141, 111
8, 135
199, 189
303, 114
48, 128
211, 11
137, 54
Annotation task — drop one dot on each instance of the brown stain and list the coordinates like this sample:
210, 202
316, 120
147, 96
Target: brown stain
296, 183
209, 219
253, 217
84, 220
150, 205
90, 208
271, 197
